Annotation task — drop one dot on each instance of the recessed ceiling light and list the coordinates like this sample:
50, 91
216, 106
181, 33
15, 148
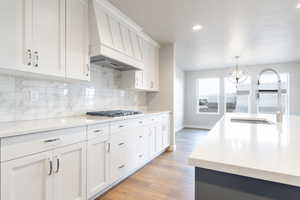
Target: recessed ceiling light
197, 27
298, 6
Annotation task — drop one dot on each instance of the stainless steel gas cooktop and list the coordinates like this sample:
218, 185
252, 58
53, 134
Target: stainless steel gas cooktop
114, 113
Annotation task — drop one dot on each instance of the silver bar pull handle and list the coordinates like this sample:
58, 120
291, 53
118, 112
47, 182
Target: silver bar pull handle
50, 168
52, 140
98, 131
122, 166
88, 69
29, 57
122, 143
108, 147
36, 56
57, 165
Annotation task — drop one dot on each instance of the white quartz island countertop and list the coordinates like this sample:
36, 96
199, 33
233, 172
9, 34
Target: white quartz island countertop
10, 129
264, 151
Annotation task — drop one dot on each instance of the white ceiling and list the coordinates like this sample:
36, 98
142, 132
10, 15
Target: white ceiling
261, 31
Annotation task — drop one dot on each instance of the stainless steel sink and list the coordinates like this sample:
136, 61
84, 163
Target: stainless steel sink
251, 120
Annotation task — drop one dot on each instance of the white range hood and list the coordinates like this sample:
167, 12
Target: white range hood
115, 40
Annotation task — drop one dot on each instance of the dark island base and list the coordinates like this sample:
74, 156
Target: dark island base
213, 185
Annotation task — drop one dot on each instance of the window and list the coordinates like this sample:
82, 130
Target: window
267, 102
237, 98
208, 95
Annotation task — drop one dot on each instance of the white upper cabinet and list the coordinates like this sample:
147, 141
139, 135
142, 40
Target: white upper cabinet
43, 37
13, 52
48, 36
33, 36
148, 78
77, 52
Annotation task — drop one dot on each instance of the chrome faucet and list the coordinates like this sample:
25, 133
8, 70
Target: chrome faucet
258, 91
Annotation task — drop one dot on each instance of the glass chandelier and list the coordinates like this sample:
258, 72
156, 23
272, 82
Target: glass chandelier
237, 76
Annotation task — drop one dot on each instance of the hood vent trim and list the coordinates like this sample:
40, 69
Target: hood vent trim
110, 63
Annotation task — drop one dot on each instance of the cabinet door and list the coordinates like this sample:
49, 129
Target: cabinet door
13, 46
116, 35
158, 137
156, 69
70, 172
139, 79
165, 133
77, 59
151, 141
147, 65
152, 66
49, 36
27, 178
97, 166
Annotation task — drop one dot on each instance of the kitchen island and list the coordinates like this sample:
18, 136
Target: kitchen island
248, 161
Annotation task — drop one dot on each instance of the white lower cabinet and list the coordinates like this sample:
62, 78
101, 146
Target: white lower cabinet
70, 172
158, 137
151, 141
78, 163
27, 178
119, 156
142, 146
57, 174
97, 165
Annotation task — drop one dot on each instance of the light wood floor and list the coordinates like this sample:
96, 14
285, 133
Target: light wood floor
168, 177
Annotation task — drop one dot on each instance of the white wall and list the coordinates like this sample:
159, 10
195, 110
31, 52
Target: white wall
164, 100
194, 119
179, 99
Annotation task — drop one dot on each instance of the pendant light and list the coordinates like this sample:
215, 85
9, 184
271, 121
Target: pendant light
237, 76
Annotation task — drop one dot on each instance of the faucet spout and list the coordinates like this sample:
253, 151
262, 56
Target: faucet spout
279, 94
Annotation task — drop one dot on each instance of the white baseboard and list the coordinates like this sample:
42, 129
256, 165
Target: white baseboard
198, 127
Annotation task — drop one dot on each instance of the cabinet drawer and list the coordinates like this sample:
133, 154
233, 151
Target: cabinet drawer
124, 125
97, 131
15, 147
153, 119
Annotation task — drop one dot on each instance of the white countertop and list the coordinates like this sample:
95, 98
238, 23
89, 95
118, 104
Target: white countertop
264, 151
10, 129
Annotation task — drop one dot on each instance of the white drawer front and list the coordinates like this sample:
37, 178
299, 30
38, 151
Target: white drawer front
98, 131
153, 119
125, 125
20, 146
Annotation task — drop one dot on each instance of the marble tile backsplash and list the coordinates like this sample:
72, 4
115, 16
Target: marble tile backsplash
24, 98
